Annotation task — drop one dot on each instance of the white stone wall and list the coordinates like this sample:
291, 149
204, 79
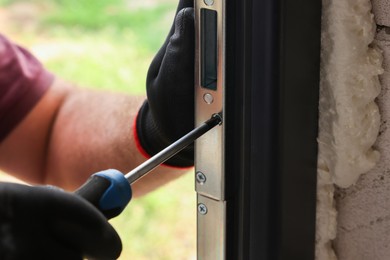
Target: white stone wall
363, 230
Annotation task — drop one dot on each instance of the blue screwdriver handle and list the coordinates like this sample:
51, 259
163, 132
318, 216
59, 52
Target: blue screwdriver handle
109, 191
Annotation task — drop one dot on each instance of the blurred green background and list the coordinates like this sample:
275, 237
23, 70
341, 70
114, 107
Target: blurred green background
109, 44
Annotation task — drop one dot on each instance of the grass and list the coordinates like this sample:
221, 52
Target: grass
110, 66
109, 45
147, 24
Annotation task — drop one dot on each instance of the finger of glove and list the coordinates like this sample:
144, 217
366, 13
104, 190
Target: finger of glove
156, 62
59, 216
87, 230
184, 3
174, 81
95, 240
35, 244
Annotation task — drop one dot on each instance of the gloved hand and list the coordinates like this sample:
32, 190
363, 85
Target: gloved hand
168, 113
46, 223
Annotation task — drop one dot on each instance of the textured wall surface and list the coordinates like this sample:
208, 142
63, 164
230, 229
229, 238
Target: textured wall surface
364, 209
381, 9
349, 118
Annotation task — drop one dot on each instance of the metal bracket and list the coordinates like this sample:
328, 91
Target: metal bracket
209, 149
209, 100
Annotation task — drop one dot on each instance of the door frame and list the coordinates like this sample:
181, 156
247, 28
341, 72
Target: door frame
271, 122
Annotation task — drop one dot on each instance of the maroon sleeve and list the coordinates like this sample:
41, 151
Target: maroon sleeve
23, 81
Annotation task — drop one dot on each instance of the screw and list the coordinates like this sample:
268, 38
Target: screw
200, 178
209, 2
208, 98
202, 209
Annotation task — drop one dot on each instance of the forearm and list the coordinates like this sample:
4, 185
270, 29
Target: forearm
89, 131
98, 135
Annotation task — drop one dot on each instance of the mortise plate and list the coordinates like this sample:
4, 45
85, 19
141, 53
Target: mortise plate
209, 95
209, 149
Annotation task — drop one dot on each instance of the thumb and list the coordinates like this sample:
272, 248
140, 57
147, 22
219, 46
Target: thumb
156, 63
183, 4
184, 30
179, 53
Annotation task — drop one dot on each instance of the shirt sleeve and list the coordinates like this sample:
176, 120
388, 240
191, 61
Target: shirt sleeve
23, 81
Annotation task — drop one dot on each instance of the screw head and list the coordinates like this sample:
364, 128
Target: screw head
200, 178
209, 2
208, 98
202, 209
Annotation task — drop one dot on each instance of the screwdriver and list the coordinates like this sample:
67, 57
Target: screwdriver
110, 190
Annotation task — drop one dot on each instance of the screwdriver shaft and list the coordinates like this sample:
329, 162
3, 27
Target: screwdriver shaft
172, 149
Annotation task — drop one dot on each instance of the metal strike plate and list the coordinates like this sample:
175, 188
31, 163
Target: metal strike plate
209, 149
209, 95
211, 223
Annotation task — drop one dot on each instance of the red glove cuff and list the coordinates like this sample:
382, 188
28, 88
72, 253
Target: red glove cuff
144, 153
